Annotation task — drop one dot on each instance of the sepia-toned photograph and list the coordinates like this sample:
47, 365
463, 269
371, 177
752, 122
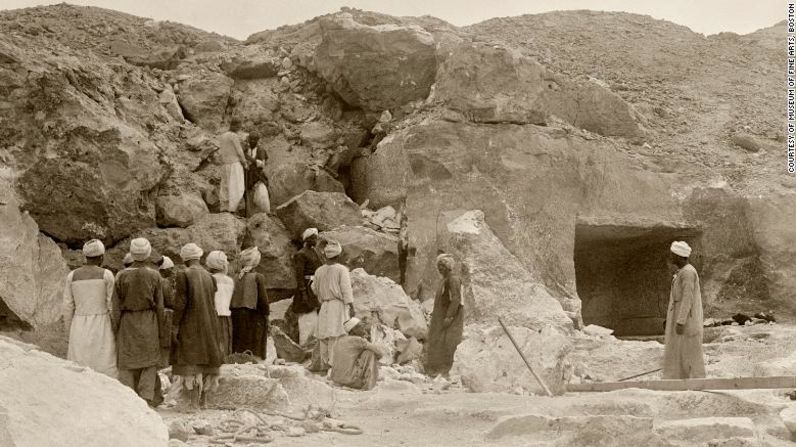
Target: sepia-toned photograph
397, 223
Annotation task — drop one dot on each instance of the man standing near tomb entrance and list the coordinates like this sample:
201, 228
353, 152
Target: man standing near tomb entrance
682, 356
137, 312
332, 286
233, 160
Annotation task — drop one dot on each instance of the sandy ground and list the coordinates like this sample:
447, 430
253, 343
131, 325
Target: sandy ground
398, 413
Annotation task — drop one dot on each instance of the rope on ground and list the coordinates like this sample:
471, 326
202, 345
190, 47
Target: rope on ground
256, 429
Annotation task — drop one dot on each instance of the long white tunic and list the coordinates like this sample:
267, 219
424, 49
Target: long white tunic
87, 305
332, 286
225, 286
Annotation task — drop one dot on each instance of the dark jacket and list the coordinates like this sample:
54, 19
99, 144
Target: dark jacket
137, 314
305, 262
195, 327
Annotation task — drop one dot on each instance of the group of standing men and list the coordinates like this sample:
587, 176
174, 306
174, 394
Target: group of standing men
149, 316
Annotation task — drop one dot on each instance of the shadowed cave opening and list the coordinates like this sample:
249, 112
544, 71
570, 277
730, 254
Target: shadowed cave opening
622, 275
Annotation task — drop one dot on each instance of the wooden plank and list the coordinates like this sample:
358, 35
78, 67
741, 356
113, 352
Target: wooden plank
735, 383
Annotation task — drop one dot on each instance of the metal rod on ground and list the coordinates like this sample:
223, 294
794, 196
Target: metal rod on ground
639, 375
530, 368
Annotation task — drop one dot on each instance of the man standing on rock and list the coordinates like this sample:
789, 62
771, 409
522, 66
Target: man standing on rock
447, 319
87, 306
197, 355
137, 313
305, 304
332, 285
683, 357
233, 160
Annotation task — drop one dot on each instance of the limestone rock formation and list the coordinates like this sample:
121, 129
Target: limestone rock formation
379, 67
373, 251
488, 362
32, 270
495, 283
706, 429
203, 97
273, 240
380, 298
46, 400
221, 231
499, 85
321, 210
180, 210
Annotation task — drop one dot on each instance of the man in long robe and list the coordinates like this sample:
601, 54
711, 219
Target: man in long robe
249, 307
232, 160
332, 285
447, 320
197, 356
217, 264
355, 358
683, 357
166, 270
88, 296
137, 313
305, 304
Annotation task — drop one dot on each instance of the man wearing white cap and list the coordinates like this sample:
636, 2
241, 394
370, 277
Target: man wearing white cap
305, 304
355, 359
166, 269
87, 305
332, 285
126, 263
682, 356
138, 314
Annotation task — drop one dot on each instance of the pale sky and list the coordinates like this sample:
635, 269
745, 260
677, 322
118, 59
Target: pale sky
240, 18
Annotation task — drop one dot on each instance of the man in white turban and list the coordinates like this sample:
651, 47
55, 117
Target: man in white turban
249, 306
88, 295
197, 356
305, 304
217, 264
683, 357
127, 261
166, 269
232, 159
332, 285
355, 358
138, 316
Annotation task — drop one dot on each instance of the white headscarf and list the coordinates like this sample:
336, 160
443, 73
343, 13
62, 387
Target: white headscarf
681, 249
217, 260
308, 233
332, 249
140, 249
167, 263
447, 260
249, 258
190, 252
93, 248
128, 259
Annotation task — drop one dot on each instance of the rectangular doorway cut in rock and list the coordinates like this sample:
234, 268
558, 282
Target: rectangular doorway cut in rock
622, 275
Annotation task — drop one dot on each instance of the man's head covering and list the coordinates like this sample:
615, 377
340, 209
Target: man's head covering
217, 260
191, 251
308, 233
351, 324
332, 249
128, 259
167, 263
681, 249
447, 260
140, 249
249, 259
93, 248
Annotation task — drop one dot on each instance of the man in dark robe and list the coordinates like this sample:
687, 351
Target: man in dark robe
447, 320
137, 313
166, 269
249, 307
305, 304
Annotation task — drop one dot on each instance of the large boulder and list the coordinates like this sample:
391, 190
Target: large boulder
378, 297
48, 401
321, 210
488, 362
221, 231
377, 67
490, 84
375, 252
32, 269
255, 101
180, 210
203, 97
495, 283
273, 240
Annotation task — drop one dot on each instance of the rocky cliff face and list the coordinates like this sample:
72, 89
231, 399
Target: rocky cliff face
567, 143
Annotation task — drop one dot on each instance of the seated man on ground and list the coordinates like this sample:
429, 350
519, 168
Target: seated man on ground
356, 360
